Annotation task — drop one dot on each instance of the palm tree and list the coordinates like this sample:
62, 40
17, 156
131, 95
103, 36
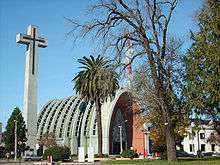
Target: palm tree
97, 81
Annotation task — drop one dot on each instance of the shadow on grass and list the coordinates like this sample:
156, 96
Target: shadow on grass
194, 161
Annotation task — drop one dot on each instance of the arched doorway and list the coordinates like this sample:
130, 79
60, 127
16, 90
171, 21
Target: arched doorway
121, 120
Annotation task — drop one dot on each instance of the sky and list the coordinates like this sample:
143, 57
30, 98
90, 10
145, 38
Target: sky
57, 64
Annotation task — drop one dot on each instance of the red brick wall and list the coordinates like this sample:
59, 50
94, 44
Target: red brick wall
138, 136
135, 122
138, 141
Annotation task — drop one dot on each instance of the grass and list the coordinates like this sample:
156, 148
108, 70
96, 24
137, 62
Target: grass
161, 162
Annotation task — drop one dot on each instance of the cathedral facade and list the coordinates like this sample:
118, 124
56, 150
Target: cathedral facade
73, 121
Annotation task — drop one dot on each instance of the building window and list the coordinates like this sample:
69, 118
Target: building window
191, 136
94, 127
60, 135
191, 148
203, 147
213, 147
181, 148
202, 135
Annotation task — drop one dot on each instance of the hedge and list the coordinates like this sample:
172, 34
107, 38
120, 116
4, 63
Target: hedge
58, 153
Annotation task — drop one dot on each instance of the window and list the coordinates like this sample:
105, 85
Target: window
94, 127
202, 135
191, 136
213, 147
203, 147
191, 148
60, 135
78, 123
87, 119
181, 148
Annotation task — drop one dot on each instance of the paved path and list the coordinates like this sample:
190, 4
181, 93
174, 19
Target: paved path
12, 162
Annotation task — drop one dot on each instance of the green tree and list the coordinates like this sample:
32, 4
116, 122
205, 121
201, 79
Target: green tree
203, 65
2, 152
10, 131
97, 81
57, 152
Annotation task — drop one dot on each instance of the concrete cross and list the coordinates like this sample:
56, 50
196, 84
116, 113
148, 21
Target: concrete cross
32, 42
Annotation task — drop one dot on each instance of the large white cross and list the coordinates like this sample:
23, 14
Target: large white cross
32, 41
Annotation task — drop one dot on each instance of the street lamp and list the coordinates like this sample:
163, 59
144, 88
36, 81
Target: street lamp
15, 121
20, 143
144, 147
120, 136
146, 138
16, 140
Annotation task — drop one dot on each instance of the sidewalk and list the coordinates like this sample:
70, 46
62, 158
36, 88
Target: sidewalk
12, 162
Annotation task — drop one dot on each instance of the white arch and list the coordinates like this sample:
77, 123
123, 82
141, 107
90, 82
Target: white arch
107, 112
106, 118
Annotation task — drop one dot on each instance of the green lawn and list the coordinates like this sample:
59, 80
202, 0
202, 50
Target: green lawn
160, 162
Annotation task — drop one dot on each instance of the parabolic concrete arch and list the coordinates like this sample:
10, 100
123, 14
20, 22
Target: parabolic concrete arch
114, 114
73, 121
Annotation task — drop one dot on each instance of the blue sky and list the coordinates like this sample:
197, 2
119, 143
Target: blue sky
57, 63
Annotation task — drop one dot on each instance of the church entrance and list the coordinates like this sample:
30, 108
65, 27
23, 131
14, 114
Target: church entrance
119, 132
121, 127
116, 147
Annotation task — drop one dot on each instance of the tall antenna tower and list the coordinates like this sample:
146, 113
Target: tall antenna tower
128, 69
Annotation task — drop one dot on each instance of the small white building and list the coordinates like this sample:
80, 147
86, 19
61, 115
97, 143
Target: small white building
197, 139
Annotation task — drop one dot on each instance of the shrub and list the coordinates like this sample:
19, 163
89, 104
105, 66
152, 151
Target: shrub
162, 149
2, 152
129, 154
58, 153
73, 157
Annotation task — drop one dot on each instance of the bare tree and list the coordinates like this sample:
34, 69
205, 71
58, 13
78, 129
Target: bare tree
145, 23
151, 108
48, 140
214, 138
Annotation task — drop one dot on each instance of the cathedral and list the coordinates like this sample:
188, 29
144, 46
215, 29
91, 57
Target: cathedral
73, 122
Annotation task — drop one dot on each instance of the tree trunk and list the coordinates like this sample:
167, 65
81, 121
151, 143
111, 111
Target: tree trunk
170, 140
99, 127
158, 79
